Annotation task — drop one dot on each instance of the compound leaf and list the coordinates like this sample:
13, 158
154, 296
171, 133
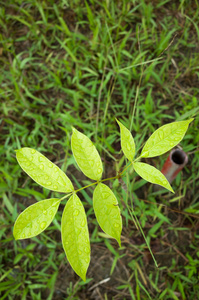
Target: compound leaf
43, 171
86, 155
165, 138
152, 175
75, 236
127, 142
35, 219
107, 211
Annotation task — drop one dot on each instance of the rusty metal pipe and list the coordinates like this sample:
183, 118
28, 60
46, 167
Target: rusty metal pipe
174, 164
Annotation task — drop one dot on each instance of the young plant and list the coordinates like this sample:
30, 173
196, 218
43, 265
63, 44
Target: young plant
74, 229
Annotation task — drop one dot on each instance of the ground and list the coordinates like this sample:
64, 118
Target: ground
83, 64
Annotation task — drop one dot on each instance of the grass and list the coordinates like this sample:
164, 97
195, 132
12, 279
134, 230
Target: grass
83, 64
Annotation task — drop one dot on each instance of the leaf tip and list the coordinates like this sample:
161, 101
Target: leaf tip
172, 190
83, 277
118, 122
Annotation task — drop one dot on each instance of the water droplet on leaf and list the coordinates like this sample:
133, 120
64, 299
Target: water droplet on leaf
43, 225
76, 212
41, 159
41, 167
128, 147
87, 250
83, 223
33, 151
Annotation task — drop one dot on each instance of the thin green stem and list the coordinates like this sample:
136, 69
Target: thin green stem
126, 168
147, 243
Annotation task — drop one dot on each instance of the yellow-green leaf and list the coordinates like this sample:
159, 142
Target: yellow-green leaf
152, 175
107, 211
43, 171
165, 138
35, 219
127, 142
86, 155
75, 236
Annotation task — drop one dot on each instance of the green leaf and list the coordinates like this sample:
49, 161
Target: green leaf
86, 155
107, 211
165, 138
127, 142
43, 171
152, 175
35, 219
75, 236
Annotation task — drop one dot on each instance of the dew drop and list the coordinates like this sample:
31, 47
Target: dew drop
171, 143
128, 146
87, 250
43, 225
86, 260
116, 225
164, 182
50, 212
91, 163
79, 251
23, 236
45, 212
50, 165
33, 151
46, 177
31, 169
83, 223
56, 169
48, 183
99, 170
41, 167
55, 187
28, 164
41, 159
66, 243
76, 212
31, 159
